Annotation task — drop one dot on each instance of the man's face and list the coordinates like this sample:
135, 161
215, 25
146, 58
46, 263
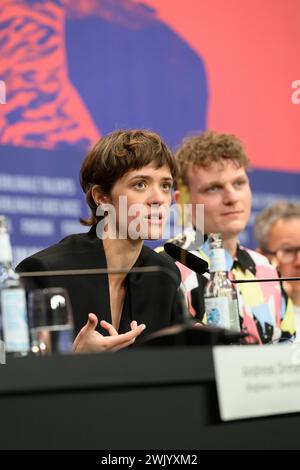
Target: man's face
283, 239
224, 190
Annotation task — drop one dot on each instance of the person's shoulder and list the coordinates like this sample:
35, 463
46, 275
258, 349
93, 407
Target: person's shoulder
68, 243
258, 258
262, 266
155, 256
163, 260
54, 253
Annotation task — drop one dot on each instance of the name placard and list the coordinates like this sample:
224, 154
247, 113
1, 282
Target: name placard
257, 381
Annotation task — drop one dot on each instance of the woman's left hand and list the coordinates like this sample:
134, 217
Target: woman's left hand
88, 340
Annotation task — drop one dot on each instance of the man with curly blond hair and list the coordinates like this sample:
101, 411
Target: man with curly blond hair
213, 172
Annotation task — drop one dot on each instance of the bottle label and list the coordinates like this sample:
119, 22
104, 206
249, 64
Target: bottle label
234, 315
222, 312
5, 249
217, 260
14, 318
2, 353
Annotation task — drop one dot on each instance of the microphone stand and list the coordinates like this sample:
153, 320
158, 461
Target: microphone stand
276, 279
83, 272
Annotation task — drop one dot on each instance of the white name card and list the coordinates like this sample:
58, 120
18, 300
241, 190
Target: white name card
257, 381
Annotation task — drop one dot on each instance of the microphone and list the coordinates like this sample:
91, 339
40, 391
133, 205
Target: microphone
193, 262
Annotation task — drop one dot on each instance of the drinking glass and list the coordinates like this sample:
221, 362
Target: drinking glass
50, 321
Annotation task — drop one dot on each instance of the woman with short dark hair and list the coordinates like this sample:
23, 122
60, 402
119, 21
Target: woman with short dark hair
127, 178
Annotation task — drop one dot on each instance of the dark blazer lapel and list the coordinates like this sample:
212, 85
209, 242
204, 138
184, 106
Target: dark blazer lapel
96, 284
138, 291
150, 293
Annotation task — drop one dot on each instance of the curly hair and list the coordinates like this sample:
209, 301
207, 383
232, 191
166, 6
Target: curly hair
206, 148
114, 155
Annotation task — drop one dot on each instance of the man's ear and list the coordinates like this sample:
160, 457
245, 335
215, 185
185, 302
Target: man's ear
181, 194
177, 196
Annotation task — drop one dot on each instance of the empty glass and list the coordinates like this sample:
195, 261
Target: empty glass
50, 321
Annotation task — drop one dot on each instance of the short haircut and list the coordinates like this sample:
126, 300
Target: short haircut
206, 148
116, 154
282, 210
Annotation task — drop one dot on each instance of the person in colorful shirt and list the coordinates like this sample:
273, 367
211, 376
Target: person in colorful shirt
213, 171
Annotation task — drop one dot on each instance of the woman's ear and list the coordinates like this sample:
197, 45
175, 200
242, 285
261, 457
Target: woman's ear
98, 197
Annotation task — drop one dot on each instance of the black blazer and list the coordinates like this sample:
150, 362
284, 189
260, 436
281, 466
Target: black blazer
151, 298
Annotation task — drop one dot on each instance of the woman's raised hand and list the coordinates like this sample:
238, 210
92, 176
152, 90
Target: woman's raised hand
90, 341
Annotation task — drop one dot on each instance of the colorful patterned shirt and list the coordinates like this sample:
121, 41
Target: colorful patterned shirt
266, 312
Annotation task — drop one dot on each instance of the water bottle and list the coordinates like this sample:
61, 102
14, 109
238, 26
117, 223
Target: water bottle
220, 296
13, 312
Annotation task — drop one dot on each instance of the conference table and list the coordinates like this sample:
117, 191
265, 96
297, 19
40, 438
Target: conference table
143, 398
